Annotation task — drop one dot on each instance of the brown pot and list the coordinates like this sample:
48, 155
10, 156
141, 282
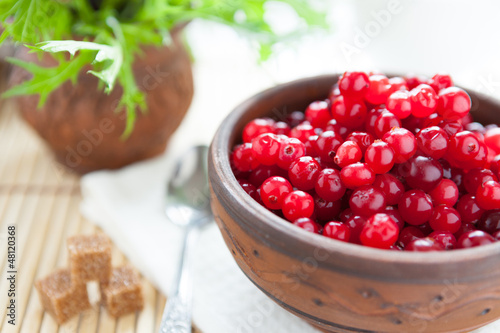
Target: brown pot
80, 124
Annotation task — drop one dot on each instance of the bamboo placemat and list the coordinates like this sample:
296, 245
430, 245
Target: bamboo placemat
41, 199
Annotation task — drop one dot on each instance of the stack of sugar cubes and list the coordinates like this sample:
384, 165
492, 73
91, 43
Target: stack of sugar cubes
64, 293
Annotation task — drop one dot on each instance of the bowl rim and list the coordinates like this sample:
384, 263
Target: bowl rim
219, 155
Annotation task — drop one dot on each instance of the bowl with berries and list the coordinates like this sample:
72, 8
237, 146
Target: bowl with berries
365, 203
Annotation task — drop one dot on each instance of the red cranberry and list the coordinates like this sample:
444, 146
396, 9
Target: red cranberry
273, 190
445, 218
256, 127
304, 172
367, 200
348, 153
440, 81
488, 195
423, 101
325, 210
354, 85
262, 172
371, 118
378, 89
433, 141
349, 113
424, 245
290, 150
329, 185
415, 206
451, 127
297, 204
391, 186
380, 157
474, 238
490, 221
477, 177
399, 104
302, 131
403, 143
281, 128
249, 188
356, 175
345, 214
464, 228
243, 159
318, 114
445, 239
492, 139
355, 224
408, 235
295, 118
423, 173
468, 209
337, 230
265, 148
445, 193
363, 139
327, 144
397, 83
463, 146
393, 212
308, 225
454, 103
413, 80
384, 122
380, 231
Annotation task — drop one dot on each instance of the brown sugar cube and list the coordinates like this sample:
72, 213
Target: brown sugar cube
123, 293
90, 258
60, 297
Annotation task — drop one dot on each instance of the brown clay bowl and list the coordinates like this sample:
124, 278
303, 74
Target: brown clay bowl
342, 287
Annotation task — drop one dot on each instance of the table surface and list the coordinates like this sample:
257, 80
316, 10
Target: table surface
42, 199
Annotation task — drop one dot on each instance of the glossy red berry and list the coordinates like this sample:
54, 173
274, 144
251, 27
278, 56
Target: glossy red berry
490, 221
433, 141
476, 177
468, 209
463, 146
371, 118
451, 127
348, 153
262, 172
488, 195
378, 89
302, 131
329, 185
380, 157
349, 113
318, 114
423, 101
423, 173
274, 190
356, 175
308, 225
324, 209
256, 127
445, 239
385, 122
423, 245
445, 193
391, 186
379, 231
474, 238
397, 83
399, 103
290, 149
265, 148
355, 224
440, 81
492, 139
304, 172
445, 218
297, 204
409, 234
354, 85
337, 230
415, 206
327, 144
403, 143
454, 103
242, 158
413, 80
363, 140
281, 128
249, 188
367, 200
394, 214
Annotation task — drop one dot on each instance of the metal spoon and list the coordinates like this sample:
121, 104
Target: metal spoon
188, 206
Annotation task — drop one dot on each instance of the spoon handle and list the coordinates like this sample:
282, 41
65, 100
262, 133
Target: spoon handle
178, 310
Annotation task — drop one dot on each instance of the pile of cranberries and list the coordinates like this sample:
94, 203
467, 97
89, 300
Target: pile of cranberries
392, 163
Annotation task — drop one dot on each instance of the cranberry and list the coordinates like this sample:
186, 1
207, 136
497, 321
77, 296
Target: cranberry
433, 141
468, 209
423, 101
303, 173
490, 221
243, 159
477, 177
478, 161
327, 144
463, 146
399, 104
281, 128
356, 175
265, 148
454, 103
378, 89
329, 185
488, 195
440, 81
445, 218
380, 157
256, 127
424, 245
474, 238
307, 224
351, 114
496, 235
415, 206
310, 146
408, 235
397, 83
413, 80
345, 214
457, 176
445, 239
337, 230
348, 153
445, 193
273, 190
391, 186
464, 228
363, 139
318, 114
354, 85
451, 127
403, 143
384, 122
302, 131
394, 214
290, 150
297, 204
325, 210
433, 120
371, 118
249, 188
355, 224
367, 200
423, 173
492, 139
262, 172
380, 231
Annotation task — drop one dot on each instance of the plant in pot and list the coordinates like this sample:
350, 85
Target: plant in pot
106, 82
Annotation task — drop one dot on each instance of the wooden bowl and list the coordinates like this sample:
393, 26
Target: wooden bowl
341, 287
